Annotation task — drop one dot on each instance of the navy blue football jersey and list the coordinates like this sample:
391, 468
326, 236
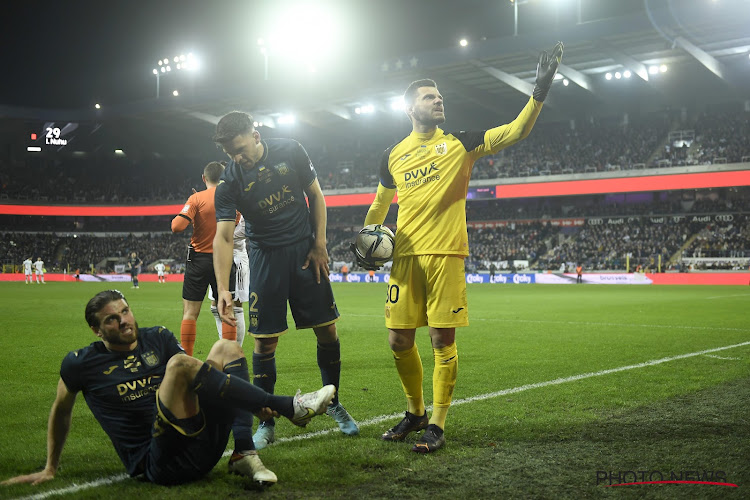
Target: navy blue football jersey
270, 195
120, 388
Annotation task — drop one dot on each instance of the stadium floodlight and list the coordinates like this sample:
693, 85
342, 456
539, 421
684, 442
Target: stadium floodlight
364, 110
182, 62
175, 93
308, 33
264, 51
566, 82
287, 119
627, 73
397, 104
463, 42
98, 106
652, 70
618, 75
608, 76
119, 152
663, 68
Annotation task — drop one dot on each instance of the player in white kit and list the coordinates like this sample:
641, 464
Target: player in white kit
242, 282
160, 267
27, 270
39, 269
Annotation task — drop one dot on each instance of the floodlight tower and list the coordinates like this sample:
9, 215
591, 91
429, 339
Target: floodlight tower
264, 51
181, 62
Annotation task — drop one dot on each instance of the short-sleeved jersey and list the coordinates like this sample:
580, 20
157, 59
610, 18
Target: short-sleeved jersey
39, 266
134, 263
270, 195
160, 267
120, 388
27, 266
431, 173
199, 209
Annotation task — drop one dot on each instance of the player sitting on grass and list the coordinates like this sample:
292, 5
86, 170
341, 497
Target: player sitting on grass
167, 414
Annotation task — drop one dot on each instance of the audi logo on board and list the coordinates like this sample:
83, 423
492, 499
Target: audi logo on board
724, 217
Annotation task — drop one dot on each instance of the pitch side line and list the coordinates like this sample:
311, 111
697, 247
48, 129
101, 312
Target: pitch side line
376, 420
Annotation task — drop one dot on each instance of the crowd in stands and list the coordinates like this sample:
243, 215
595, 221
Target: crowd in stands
65, 253
95, 181
722, 239
644, 241
583, 146
645, 226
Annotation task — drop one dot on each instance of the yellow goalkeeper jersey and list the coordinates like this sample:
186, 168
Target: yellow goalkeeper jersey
431, 174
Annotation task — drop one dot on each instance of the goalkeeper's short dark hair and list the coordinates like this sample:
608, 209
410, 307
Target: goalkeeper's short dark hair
410, 96
233, 124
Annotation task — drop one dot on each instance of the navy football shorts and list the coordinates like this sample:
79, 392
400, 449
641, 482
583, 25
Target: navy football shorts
276, 276
185, 450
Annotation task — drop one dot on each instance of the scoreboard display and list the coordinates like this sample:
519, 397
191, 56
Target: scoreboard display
58, 136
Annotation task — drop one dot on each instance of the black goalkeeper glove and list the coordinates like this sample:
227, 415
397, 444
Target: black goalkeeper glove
545, 71
369, 266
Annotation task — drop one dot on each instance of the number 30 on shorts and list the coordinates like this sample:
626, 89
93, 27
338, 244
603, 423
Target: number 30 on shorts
391, 294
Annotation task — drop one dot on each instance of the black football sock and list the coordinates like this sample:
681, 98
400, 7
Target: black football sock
329, 362
215, 387
264, 374
242, 427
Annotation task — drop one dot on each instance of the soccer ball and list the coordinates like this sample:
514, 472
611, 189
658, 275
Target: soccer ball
374, 244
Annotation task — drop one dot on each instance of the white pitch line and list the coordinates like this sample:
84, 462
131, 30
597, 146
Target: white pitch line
382, 418
723, 296
722, 357
74, 488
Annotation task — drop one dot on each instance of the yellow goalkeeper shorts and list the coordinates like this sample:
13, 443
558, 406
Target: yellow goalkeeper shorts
427, 290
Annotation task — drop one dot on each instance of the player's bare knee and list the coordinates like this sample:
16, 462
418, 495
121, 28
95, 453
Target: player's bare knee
265, 345
224, 351
326, 334
400, 340
185, 366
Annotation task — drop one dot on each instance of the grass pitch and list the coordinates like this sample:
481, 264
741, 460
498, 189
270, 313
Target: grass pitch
562, 391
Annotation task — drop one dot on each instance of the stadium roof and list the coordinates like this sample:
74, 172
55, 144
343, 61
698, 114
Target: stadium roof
703, 43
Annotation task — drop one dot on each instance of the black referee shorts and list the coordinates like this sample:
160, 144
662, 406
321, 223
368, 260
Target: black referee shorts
199, 275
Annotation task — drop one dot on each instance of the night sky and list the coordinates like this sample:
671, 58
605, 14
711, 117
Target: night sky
74, 53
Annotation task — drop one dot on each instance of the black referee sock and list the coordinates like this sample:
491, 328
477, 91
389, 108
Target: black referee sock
215, 387
329, 362
242, 427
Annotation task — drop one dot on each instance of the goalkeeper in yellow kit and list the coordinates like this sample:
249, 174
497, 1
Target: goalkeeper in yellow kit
430, 169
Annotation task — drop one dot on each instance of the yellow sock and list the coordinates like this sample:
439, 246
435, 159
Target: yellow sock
443, 381
409, 367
